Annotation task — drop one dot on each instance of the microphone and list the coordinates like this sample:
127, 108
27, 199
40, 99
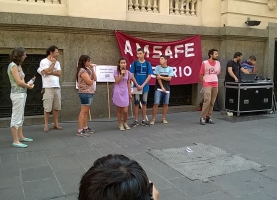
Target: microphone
123, 73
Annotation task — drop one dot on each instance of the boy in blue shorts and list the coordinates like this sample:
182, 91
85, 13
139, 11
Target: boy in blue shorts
163, 74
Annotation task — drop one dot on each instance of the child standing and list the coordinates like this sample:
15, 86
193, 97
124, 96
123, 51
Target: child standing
122, 92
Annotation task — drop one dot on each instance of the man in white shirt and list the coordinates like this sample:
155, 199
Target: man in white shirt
50, 71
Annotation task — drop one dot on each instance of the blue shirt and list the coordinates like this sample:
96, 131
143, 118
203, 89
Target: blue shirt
141, 72
247, 66
165, 72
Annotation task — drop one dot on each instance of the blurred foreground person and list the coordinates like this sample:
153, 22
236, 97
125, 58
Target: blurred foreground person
116, 177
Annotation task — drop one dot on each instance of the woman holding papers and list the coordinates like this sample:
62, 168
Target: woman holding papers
122, 92
163, 74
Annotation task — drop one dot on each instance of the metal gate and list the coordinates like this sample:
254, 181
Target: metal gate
180, 95
34, 104
275, 69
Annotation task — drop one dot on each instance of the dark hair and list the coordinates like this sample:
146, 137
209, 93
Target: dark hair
252, 57
17, 54
237, 54
115, 177
51, 49
211, 52
118, 65
81, 64
163, 56
140, 49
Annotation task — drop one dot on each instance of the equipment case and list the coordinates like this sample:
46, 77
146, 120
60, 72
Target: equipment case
248, 97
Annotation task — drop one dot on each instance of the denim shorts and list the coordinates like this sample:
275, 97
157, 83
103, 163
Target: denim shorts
161, 96
141, 97
86, 99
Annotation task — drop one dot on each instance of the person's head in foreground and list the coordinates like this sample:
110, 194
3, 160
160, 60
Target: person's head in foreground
116, 177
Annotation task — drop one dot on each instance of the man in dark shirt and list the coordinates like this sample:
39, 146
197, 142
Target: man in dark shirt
234, 69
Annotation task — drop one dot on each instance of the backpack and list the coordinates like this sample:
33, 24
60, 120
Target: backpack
135, 64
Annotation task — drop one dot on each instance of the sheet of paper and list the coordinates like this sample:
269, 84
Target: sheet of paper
135, 91
162, 90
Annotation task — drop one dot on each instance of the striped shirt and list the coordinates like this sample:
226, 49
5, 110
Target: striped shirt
247, 65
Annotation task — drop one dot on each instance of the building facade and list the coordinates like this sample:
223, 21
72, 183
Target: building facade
87, 27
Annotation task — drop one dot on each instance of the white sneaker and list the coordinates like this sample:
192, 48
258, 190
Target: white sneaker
126, 126
121, 127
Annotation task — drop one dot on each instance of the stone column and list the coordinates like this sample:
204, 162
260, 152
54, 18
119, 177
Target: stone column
136, 5
182, 7
187, 7
155, 7
149, 6
270, 51
164, 6
143, 6
171, 7
130, 5
176, 7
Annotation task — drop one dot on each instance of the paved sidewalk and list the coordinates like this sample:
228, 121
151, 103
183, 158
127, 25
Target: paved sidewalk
51, 166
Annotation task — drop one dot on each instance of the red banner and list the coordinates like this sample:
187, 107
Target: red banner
184, 56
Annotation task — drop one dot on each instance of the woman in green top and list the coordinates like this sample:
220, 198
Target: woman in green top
18, 96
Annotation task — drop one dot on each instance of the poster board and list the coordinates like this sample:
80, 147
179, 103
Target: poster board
105, 73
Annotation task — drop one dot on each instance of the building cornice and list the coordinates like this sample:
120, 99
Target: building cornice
77, 25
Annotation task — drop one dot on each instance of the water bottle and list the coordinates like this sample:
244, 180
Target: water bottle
32, 81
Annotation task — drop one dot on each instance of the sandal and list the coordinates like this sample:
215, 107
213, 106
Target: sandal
20, 145
46, 129
58, 127
26, 139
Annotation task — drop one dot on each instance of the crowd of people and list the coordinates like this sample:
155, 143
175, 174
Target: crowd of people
139, 74
111, 177
114, 176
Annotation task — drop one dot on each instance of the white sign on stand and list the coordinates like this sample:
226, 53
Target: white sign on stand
105, 73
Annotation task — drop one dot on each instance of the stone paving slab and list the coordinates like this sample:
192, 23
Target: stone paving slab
217, 195
256, 196
51, 166
203, 162
42, 189
12, 193
194, 188
38, 173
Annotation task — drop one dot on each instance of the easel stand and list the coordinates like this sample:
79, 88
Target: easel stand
109, 104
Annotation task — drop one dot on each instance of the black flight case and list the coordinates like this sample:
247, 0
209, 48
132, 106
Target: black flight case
248, 97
